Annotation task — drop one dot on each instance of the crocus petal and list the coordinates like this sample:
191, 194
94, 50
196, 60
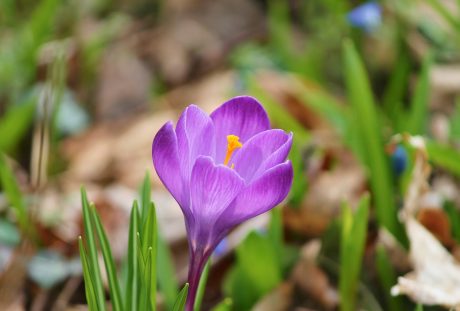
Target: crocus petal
214, 188
261, 152
262, 195
166, 162
195, 137
242, 116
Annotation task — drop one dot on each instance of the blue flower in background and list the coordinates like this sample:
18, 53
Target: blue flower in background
367, 16
221, 248
399, 160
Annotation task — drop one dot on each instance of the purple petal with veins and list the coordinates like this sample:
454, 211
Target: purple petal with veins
222, 169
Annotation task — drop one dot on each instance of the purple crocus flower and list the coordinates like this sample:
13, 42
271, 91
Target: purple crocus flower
367, 16
222, 169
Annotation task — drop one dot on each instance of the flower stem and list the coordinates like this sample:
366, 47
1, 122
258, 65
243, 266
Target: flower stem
202, 285
197, 263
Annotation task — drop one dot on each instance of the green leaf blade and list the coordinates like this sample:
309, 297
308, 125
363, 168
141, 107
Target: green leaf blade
92, 252
13, 194
354, 232
370, 140
114, 286
179, 305
132, 286
89, 287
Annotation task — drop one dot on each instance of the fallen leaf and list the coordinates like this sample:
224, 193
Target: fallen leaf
436, 276
437, 222
312, 279
278, 299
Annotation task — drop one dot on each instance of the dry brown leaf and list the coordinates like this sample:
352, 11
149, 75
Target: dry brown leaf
278, 299
192, 42
124, 85
437, 222
312, 280
327, 192
436, 276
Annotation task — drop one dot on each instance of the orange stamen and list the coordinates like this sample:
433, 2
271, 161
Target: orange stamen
233, 144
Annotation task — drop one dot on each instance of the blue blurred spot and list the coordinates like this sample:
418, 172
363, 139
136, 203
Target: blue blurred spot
221, 248
399, 160
367, 16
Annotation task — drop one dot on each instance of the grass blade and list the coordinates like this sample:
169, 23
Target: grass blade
394, 92
145, 196
92, 252
225, 305
89, 288
354, 231
149, 249
388, 278
369, 137
166, 276
15, 122
143, 277
181, 299
114, 286
13, 194
416, 124
445, 13
444, 156
314, 97
145, 269
132, 286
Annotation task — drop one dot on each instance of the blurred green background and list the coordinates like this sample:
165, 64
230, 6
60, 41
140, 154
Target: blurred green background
369, 89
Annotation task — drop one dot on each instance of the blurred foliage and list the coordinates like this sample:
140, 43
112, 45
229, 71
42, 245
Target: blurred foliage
367, 82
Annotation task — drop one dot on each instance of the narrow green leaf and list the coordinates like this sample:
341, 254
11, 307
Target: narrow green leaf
149, 245
279, 26
354, 231
454, 124
444, 156
13, 194
150, 286
239, 287
265, 274
166, 275
396, 88
179, 305
323, 104
299, 184
225, 305
275, 234
388, 278
145, 269
92, 252
89, 287
202, 286
454, 219
132, 285
418, 116
445, 13
16, 122
369, 136
146, 189
114, 285
143, 277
